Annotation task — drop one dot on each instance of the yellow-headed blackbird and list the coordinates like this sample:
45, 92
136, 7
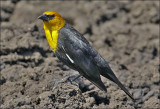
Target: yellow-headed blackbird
76, 52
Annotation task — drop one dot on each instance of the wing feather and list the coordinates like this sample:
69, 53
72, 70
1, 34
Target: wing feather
77, 48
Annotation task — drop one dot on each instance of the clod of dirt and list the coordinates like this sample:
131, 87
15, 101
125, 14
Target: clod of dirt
65, 95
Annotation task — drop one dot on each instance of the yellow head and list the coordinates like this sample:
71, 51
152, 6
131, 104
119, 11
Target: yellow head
52, 20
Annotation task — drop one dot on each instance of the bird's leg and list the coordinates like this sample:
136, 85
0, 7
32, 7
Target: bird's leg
67, 78
76, 77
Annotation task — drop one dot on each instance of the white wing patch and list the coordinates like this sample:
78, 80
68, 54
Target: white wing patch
68, 56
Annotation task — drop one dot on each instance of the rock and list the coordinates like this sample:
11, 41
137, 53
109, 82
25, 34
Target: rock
137, 94
148, 95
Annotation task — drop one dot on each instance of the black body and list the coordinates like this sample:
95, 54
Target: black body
76, 52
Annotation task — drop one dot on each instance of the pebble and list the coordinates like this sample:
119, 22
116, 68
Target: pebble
137, 94
149, 94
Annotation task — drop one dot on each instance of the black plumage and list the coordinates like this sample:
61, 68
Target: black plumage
76, 52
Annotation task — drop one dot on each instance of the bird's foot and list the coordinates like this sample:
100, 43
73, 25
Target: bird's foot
71, 79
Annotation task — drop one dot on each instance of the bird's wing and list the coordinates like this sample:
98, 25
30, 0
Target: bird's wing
76, 48
88, 59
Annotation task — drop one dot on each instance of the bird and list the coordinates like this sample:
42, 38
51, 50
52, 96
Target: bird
73, 49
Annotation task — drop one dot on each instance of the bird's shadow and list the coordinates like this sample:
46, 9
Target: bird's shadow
98, 99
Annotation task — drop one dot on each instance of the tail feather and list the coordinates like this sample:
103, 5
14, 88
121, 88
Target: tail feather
97, 81
100, 85
113, 78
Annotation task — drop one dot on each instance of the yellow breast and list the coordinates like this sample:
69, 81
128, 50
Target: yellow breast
52, 27
52, 37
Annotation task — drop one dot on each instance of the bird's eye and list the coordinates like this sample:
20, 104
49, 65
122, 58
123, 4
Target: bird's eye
50, 17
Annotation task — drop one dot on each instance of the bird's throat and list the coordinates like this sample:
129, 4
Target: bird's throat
52, 37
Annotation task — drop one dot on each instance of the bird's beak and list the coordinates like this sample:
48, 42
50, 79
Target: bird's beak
43, 17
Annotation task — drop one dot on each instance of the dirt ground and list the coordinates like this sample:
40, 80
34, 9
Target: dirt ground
125, 33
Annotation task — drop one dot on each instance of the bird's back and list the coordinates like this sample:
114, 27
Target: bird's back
69, 36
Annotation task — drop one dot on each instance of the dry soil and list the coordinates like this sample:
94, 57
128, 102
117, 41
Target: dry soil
125, 33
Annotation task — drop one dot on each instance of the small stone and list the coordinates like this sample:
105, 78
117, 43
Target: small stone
149, 94
137, 94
